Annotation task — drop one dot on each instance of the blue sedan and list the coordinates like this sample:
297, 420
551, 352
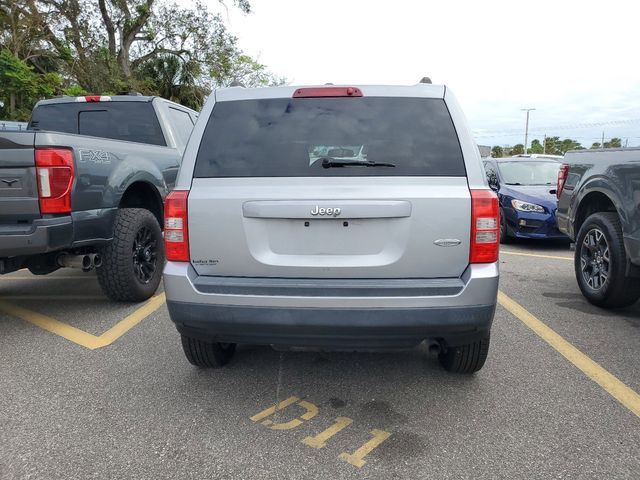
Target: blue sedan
526, 188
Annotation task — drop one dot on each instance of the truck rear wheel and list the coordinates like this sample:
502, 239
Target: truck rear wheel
465, 358
132, 263
207, 354
600, 263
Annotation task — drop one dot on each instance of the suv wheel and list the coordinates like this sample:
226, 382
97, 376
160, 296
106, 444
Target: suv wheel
466, 358
207, 354
132, 263
600, 261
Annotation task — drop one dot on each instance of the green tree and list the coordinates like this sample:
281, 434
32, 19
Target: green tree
569, 144
20, 86
497, 151
552, 145
536, 147
595, 145
517, 149
112, 46
613, 143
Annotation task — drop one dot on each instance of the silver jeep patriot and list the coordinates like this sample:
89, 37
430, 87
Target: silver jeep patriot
339, 217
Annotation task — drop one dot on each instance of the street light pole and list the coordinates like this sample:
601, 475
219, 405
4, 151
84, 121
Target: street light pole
526, 128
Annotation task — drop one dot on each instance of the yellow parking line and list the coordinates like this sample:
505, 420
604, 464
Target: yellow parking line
52, 325
132, 320
55, 297
81, 337
37, 277
618, 390
555, 257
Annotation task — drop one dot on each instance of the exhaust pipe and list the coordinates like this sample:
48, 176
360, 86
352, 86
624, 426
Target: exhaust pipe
84, 262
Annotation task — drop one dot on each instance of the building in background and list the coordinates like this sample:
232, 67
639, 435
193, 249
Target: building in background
485, 152
15, 126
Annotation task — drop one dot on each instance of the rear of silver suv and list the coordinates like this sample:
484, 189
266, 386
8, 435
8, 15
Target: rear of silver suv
332, 217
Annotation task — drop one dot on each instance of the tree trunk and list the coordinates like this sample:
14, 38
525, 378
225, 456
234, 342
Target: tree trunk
12, 105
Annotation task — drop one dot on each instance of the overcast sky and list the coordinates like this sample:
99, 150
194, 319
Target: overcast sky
576, 62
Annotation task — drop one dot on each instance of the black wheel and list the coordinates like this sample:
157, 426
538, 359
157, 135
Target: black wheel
600, 263
504, 233
466, 358
132, 263
207, 354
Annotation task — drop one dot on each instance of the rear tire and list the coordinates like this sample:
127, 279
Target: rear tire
600, 254
466, 358
132, 263
207, 354
504, 232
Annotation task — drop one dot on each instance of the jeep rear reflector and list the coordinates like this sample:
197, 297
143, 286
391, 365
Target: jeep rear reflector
312, 92
176, 232
485, 227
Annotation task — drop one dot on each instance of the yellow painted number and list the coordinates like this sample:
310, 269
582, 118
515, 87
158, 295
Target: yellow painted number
320, 440
357, 458
310, 411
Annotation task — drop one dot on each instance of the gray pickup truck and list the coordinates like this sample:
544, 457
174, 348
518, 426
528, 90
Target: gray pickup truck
84, 187
599, 207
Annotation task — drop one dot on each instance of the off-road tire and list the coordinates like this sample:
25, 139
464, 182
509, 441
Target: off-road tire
207, 354
619, 290
466, 358
117, 275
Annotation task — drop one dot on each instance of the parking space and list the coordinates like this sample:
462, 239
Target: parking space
134, 407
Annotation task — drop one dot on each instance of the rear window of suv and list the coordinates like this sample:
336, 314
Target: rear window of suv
287, 137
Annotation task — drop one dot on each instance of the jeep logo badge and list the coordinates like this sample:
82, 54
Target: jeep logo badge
331, 212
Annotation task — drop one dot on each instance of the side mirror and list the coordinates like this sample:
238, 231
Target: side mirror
494, 186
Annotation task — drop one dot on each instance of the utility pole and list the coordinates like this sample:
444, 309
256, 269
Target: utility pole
602, 144
626, 142
544, 144
526, 128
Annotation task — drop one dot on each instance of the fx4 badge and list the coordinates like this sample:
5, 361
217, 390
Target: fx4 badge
95, 156
331, 212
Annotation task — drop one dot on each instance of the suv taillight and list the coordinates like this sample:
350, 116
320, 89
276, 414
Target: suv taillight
176, 233
562, 178
485, 227
55, 172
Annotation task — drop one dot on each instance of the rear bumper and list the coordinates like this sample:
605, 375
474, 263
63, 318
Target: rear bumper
42, 236
364, 314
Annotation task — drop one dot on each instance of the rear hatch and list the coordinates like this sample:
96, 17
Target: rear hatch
18, 189
356, 187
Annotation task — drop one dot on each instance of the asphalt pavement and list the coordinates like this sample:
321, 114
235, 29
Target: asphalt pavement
94, 389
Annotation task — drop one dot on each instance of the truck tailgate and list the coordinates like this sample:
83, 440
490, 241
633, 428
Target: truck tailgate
18, 188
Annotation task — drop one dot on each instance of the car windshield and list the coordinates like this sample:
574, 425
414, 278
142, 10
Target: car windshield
529, 173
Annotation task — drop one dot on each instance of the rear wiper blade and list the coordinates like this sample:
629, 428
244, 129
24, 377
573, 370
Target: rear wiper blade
328, 162
514, 183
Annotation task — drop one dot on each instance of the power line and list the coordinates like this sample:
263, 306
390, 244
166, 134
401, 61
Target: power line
516, 131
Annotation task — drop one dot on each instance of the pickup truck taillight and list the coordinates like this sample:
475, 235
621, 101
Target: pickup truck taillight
485, 227
562, 178
176, 233
55, 172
